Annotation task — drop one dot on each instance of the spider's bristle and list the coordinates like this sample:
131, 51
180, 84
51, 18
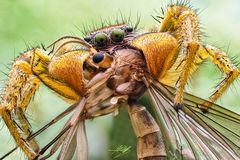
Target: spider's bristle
129, 18
84, 29
101, 22
159, 15
235, 59
27, 45
183, 3
156, 19
120, 19
137, 22
162, 10
43, 46
4, 73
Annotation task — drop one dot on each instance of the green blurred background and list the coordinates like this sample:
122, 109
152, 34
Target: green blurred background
29, 23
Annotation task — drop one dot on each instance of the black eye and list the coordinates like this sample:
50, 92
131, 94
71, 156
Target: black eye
117, 35
87, 39
97, 58
101, 39
129, 29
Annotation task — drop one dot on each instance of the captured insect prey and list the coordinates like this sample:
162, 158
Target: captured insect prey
111, 68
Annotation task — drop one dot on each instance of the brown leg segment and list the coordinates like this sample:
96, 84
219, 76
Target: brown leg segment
150, 145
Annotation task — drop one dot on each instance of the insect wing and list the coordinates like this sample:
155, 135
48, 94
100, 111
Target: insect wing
192, 134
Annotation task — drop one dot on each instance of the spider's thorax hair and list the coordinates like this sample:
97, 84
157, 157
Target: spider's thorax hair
104, 23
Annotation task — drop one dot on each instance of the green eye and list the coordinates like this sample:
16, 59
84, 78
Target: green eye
101, 39
117, 35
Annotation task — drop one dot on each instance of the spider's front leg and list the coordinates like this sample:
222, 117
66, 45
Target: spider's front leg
175, 52
20, 87
223, 62
171, 51
182, 22
150, 144
61, 70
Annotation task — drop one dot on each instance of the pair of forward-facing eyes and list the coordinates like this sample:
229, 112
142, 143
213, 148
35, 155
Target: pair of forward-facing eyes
115, 35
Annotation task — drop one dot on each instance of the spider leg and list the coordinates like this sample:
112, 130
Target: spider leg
28, 71
223, 62
185, 74
20, 87
182, 22
171, 53
149, 141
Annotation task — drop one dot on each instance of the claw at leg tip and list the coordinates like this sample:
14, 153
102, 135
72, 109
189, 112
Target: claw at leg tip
177, 106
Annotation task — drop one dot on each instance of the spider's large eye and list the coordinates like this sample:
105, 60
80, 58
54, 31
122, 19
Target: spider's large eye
101, 39
117, 35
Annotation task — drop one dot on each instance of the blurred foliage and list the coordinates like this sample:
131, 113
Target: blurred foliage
28, 23
122, 134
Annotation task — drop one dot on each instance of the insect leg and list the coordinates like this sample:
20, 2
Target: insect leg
223, 62
19, 89
149, 141
72, 129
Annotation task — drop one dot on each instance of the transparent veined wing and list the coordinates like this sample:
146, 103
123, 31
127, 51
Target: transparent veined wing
191, 133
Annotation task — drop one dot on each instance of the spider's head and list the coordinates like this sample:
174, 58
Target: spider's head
106, 37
